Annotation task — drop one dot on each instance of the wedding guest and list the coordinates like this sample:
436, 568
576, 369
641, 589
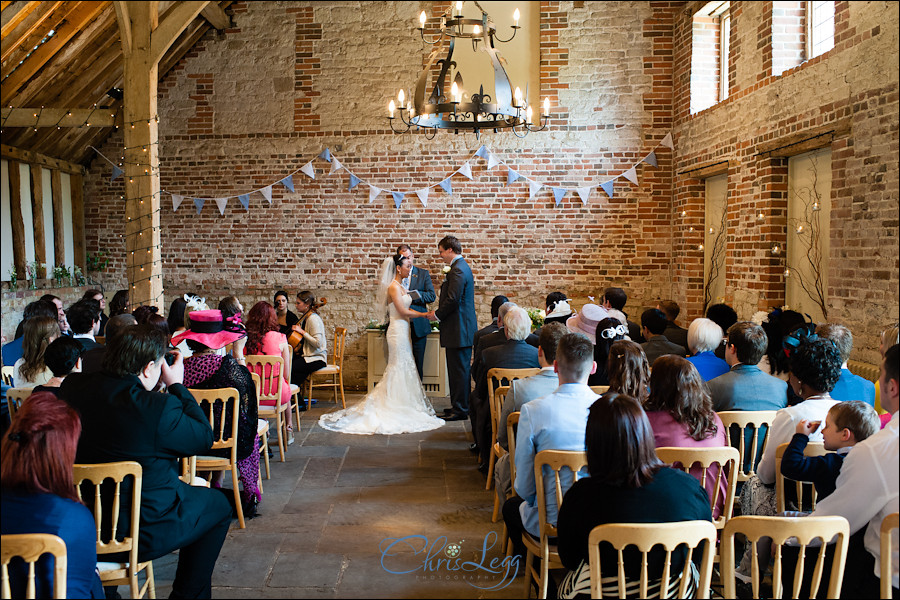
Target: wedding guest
160, 323
653, 327
629, 372
84, 320
615, 298
494, 339
233, 315
585, 322
849, 386
64, 328
63, 356
119, 303
724, 316
703, 337
609, 331
142, 313
92, 360
39, 495
263, 337
889, 337
496, 303
175, 318
30, 370
556, 310
286, 318
12, 351
680, 412
777, 325
674, 333
745, 386
94, 294
312, 354
627, 484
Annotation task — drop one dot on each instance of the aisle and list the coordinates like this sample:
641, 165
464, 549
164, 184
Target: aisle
328, 509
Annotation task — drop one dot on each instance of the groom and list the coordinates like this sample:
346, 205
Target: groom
456, 312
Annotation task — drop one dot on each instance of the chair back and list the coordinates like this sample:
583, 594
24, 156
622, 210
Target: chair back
780, 530
646, 536
500, 375
220, 404
15, 397
100, 339
726, 460
107, 510
812, 449
269, 370
7, 373
888, 535
600, 389
749, 433
512, 422
30, 547
556, 460
257, 381
340, 339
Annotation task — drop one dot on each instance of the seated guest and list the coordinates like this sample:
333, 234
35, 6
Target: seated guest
119, 303
94, 294
609, 331
554, 422
84, 319
175, 318
627, 484
777, 325
192, 302
745, 386
30, 370
849, 386
264, 338
232, 315
653, 326
680, 411
674, 333
207, 370
723, 316
629, 373
704, 336
122, 419
615, 298
286, 318
312, 353
557, 310
522, 391
63, 356
494, 339
64, 328
92, 360
493, 326
12, 351
39, 495
846, 424
585, 322
142, 313
516, 353
889, 337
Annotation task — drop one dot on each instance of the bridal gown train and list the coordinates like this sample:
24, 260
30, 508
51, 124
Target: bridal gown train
398, 403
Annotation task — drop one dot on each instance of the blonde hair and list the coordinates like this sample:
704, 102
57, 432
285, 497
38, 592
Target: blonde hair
890, 336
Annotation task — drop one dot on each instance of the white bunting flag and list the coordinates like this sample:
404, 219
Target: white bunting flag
423, 195
534, 187
221, 202
493, 161
667, 141
176, 201
631, 175
267, 193
335, 165
373, 193
584, 193
309, 170
466, 170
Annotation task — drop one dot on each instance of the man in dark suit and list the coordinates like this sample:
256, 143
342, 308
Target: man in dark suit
492, 327
495, 339
674, 332
456, 312
615, 297
92, 360
84, 319
420, 281
653, 324
122, 419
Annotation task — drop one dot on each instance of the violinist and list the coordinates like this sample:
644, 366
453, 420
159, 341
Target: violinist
308, 339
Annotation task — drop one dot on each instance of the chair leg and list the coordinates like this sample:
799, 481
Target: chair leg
237, 496
296, 400
341, 378
151, 583
490, 474
496, 514
529, 572
265, 453
309, 392
280, 427
545, 573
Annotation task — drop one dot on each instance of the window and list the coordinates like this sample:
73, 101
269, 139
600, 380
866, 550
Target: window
819, 27
724, 32
715, 238
709, 55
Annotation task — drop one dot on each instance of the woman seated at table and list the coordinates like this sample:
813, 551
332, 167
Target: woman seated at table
286, 318
39, 495
207, 370
680, 412
627, 484
628, 370
264, 338
30, 370
312, 352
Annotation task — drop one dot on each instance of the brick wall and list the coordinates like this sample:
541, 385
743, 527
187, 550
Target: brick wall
293, 78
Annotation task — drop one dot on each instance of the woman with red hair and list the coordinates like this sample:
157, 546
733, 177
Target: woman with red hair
263, 337
38, 494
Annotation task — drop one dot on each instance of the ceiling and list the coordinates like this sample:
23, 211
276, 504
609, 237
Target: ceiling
68, 55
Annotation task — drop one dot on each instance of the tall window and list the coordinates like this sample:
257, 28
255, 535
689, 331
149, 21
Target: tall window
724, 32
819, 27
715, 240
709, 55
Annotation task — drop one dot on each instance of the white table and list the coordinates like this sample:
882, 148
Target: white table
434, 378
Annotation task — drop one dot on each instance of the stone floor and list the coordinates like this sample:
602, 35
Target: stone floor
334, 517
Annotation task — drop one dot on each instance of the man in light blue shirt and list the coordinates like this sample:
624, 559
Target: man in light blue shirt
554, 422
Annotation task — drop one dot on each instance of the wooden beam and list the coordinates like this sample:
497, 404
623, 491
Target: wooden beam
804, 141
78, 18
15, 37
59, 242
707, 169
13, 14
15, 215
216, 16
76, 183
60, 117
34, 158
171, 27
124, 25
37, 212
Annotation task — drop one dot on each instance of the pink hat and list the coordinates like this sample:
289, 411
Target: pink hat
207, 328
585, 322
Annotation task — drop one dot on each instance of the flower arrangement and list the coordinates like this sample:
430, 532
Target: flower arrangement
78, 275
13, 276
373, 324
36, 270
61, 273
537, 317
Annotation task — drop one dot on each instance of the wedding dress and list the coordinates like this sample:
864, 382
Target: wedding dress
398, 403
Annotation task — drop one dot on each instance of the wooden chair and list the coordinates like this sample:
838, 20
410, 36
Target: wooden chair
726, 457
600, 389
224, 436
645, 536
812, 449
781, 529
500, 375
100, 339
747, 420
15, 397
30, 547
335, 370
7, 374
106, 517
269, 369
556, 460
496, 449
262, 430
888, 525
512, 422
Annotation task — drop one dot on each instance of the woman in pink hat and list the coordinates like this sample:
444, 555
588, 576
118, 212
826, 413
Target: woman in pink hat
585, 322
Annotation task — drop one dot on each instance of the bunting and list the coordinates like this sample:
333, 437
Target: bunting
482, 151
558, 194
423, 195
198, 202
354, 181
511, 176
650, 159
631, 175
267, 193
221, 202
245, 201
493, 161
325, 155
466, 170
116, 173
607, 187
335, 166
584, 193
533, 188
373, 193
308, 170
176, 201
447, 187
398, 199
288, 182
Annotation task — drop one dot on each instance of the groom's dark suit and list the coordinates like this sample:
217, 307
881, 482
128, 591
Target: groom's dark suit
456, 312
420, 280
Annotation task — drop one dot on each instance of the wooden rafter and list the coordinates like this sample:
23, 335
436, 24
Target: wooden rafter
35, 158
171, 27
16, 36
216, 17
124, 25
13, 13
59, 117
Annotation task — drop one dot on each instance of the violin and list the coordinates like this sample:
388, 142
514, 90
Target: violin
295, 339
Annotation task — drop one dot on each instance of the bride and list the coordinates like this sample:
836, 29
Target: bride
398, 403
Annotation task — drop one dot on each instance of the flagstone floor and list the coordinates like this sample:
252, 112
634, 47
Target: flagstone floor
334, 517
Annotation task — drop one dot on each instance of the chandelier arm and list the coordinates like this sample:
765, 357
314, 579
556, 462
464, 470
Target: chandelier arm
394, 129
419, 98
437, 38
502, 41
